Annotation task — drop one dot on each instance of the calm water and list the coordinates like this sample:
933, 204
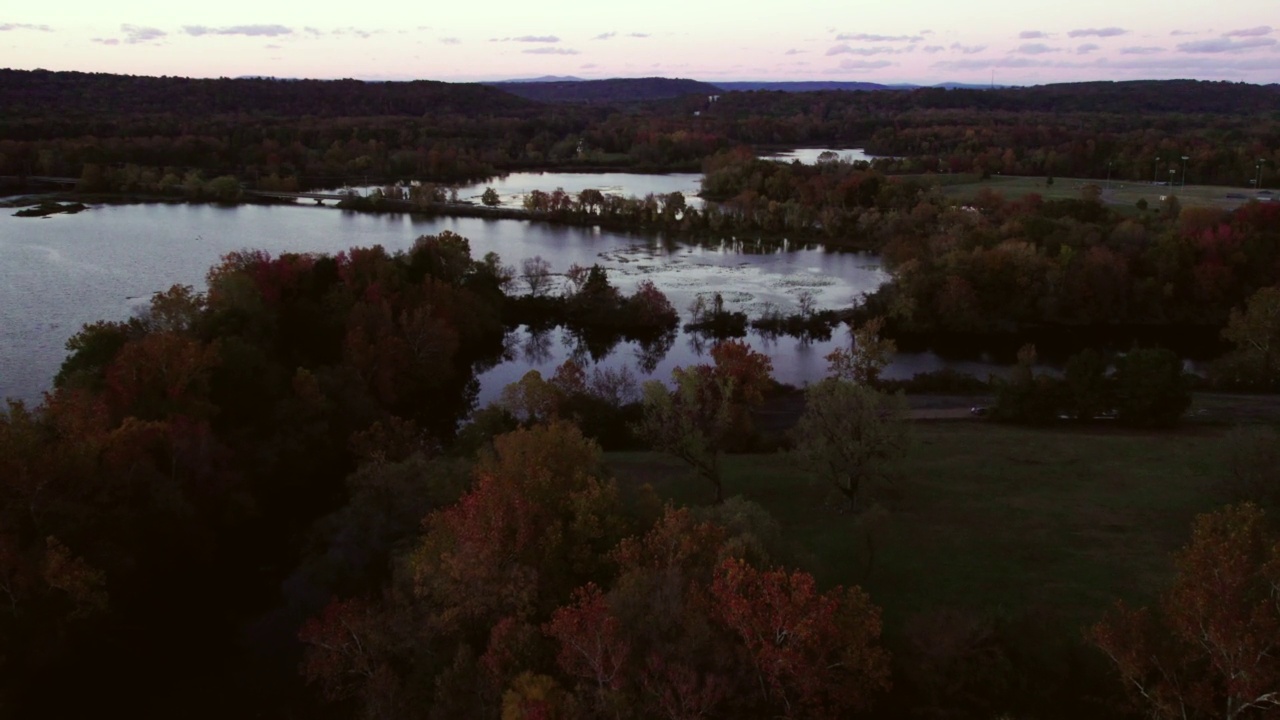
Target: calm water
58, 273
512, 189
809, 156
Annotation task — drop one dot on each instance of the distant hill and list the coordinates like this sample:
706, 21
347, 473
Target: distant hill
543, 79
1133, 96
970, 86
608, 91
38, 93
803, 86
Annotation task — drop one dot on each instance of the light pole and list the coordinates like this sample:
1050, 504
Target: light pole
1257, 184
1185, 158
1154, 170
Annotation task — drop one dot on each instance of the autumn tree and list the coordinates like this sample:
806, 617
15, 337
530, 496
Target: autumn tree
593, 647
707, 410
537, 524
816, 655
692, 628
1211, 647
350, 651
867, 355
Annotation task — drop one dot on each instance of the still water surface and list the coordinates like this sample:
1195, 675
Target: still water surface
513, 188
61, 272
809, 156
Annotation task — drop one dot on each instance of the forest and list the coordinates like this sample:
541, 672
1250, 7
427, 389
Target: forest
58, 123
278, 495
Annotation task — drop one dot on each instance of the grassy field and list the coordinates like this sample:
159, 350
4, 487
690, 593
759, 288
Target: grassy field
990, 518
1122, 194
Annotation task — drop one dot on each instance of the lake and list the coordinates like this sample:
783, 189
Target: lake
513, 188
61, 272
809, 156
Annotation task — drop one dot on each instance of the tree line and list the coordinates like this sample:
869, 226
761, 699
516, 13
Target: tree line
332, 131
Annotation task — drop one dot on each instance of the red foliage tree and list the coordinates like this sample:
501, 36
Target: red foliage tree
592, 647
815, 655
1212, 646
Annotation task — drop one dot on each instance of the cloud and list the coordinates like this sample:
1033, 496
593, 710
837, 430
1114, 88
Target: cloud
846, 50
1172, 65
528, 39
450, 41
1033, 35
968, 49
588, 66
362, 34
862, 65
135, 34
1086, 48
272, 47
549, 51
867, 37
1226, 45
1098, 32
1145, 50
1183, 65
931, 49
1180, 33
1035, 49
311, 31
637, 35
605, 36
250, 30
106, 41
7, 27
987, 64
1250, 32
794, 51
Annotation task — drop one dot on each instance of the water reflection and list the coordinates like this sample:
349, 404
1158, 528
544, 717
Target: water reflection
60, 273
513, 188
811, 156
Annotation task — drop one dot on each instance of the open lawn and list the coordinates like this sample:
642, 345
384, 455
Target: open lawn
1122, 194
990, 518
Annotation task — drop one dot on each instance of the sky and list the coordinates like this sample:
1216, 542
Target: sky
895, 41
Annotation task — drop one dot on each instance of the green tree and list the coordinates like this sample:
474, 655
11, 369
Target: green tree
1026, 397
1255, 332
225, 188
1151, 389
490, 197
691, 421
1087, 391
850, 435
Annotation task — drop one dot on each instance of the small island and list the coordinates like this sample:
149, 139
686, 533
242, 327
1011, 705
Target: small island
47, 208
